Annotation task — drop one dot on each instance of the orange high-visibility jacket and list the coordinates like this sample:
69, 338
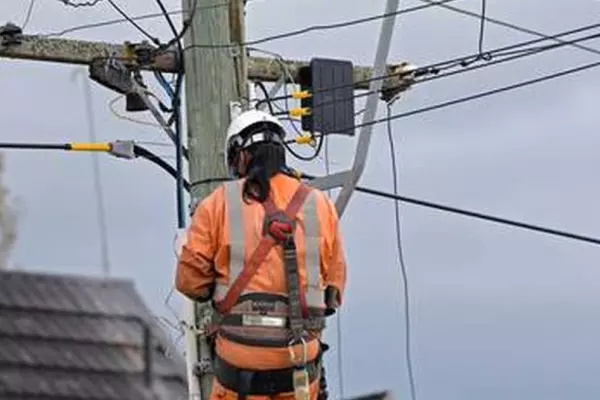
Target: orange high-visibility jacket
205, 262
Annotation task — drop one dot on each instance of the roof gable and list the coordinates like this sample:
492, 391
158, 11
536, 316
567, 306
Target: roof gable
69, 337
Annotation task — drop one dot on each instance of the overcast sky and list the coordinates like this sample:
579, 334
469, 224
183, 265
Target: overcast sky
497, 312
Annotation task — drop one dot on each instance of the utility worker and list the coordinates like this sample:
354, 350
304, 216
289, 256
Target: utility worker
266, 249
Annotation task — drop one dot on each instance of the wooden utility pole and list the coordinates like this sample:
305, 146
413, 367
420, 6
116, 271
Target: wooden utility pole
216, 86
215, 79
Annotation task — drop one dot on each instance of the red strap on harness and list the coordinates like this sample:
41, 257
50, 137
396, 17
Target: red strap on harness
266, 244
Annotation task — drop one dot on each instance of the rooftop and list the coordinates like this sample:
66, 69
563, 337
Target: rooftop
75, 338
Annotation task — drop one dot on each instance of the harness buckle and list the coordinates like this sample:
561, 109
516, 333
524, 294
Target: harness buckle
280, 227
293, 358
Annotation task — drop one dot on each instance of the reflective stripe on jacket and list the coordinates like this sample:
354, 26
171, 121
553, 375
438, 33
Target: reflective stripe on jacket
210, 245
261, 318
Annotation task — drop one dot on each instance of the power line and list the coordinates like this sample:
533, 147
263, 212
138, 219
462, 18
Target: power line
110, 22
511, 56
504, 24
91, 3
485, 94
28, 14
407, 327
476, 96
339, 336
141, 151
511, 52
482, 216
135, 24
313, 28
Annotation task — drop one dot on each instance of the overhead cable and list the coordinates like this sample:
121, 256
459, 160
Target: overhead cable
313, 28
505, 24
91, 3
400, 252
28, 14
482, 216
432, 71
153, 39
488, 93
476, 96
110, 22
145, 153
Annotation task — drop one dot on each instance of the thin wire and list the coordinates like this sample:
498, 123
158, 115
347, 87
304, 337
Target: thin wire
111, 107
482, 26
98, 187
506, 24
324, 27
135, 24
124, 20
28, 14
482, 216
465, 61
476, 96
339, 336
82, 4
407, 327
483, 94
168, 18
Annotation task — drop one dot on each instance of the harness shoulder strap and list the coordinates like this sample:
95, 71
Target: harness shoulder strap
266, 244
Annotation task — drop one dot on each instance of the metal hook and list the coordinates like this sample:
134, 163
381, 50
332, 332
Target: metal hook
304, 352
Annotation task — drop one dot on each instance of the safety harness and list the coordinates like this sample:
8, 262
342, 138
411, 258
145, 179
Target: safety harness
271, 320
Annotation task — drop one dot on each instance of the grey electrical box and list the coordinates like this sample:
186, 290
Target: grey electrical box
331, 83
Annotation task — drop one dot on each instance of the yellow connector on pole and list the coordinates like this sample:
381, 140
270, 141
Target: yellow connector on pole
299, 112
305, 139
303, 94
101, 147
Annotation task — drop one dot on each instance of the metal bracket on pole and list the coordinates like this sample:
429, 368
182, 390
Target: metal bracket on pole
349, 179
141, 92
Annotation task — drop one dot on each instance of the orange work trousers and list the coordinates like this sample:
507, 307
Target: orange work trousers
221, 393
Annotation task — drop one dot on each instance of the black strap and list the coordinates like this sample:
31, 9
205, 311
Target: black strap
260, 383
293, 287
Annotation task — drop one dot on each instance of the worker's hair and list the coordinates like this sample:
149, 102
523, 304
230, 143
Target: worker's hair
267, 159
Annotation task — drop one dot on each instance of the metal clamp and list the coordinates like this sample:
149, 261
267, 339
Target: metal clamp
293, 358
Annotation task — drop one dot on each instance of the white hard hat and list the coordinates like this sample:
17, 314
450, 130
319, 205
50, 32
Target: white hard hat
249, 128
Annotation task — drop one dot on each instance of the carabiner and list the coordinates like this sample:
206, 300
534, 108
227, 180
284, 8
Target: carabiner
293, 358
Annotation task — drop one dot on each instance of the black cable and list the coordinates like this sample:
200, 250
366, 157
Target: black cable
186, 24
176, 107
482, 26
135, 24
516, 54
407, 327
142, 152
122, 20
505, 24
82, 4
448, 209
168, 18
482, 216
321, 27
490, 57
28, 14
36, 146
145, 153
263, 88
481, 94
471, 97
